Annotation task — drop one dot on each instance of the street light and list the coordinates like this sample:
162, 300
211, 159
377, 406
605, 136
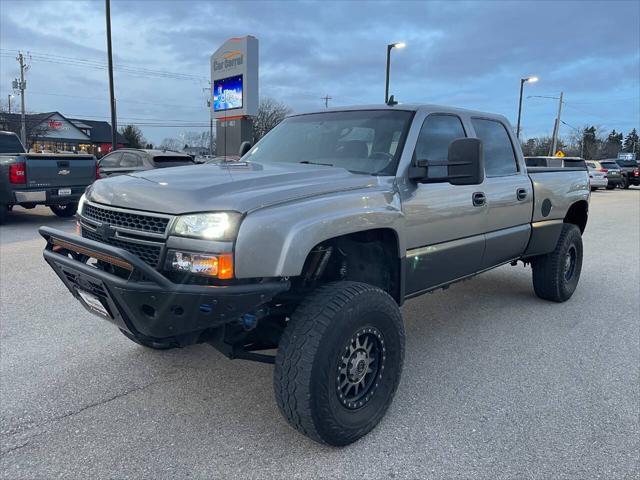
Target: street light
389, 48
522, 82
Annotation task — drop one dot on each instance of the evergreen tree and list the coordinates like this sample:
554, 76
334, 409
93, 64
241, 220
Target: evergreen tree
133, 135
590, 143
613, 145
631, 142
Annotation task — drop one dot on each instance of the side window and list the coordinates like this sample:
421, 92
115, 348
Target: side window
130, 160
499, 158
112, 160
437, 132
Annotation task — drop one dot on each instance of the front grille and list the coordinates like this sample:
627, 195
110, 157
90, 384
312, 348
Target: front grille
150, 254
133, 221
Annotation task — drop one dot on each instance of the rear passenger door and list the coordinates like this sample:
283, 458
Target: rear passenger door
508, 191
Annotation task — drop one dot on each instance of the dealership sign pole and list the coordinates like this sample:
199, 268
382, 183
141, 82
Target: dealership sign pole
234, 92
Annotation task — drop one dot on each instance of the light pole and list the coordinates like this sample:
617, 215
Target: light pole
522, 82
389, 48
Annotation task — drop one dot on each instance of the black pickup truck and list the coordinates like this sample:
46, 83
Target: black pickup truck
29, 179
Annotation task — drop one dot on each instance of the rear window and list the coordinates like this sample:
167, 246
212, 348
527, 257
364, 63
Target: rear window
166, 161
10, 144
627, 163
574, 163
535, 161
610, 165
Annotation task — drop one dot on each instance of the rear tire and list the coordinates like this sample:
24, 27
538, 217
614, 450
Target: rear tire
610, 187
556, 274
593, 189
147, 343
625, 183
4, 210
339, 362
65, 211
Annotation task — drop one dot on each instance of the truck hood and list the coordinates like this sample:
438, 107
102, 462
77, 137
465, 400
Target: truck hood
238, 186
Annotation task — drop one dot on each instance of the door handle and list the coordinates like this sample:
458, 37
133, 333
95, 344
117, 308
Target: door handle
479, 199
521, 194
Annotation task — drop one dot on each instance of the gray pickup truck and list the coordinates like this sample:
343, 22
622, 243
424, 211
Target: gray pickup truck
311, 242
30, 179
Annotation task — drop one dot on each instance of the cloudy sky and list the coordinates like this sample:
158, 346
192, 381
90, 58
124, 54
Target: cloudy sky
466, 54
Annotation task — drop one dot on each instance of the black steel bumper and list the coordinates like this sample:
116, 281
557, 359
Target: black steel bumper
146, 303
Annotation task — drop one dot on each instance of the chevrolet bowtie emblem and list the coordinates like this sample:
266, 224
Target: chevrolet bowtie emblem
64, 172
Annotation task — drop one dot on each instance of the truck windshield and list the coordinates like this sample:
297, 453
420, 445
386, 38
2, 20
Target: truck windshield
10, 144
363, 141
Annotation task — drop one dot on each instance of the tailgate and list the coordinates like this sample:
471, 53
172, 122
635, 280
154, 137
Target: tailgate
60, 170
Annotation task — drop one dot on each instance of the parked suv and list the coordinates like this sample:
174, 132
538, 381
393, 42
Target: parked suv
630, 172
597, 179
131, 160
611, 169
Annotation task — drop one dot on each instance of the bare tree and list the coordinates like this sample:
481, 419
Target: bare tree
197, 139
171, 144
270, 113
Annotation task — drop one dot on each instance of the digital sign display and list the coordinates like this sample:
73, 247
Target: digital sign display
227, 93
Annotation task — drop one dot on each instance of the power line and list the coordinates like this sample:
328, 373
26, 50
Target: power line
96, 65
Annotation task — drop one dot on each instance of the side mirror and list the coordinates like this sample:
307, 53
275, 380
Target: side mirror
465, 165
244, 148
466, 162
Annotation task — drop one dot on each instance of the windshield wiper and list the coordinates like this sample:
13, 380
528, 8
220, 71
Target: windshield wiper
316, 163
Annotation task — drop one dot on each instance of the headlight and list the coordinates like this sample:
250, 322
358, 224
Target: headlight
83, 199
209, 226
218, 265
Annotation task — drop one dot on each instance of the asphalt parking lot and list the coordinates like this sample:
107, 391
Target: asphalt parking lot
497, 383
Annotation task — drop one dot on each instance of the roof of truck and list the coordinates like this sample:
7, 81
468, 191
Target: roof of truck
411, 107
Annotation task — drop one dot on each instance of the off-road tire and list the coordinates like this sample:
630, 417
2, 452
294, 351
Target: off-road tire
551, 278
65, 211
147, 343
312, 349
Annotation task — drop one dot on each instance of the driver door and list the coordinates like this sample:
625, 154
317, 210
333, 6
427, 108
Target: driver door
445, 226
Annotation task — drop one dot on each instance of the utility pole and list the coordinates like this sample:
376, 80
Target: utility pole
112, 98
209, 99
326, 99
556, 128
22, 86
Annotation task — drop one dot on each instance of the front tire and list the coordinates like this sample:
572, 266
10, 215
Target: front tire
556, 274
339, 362
65, 211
